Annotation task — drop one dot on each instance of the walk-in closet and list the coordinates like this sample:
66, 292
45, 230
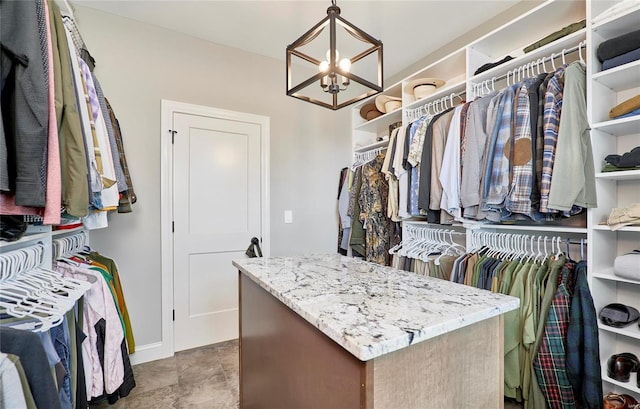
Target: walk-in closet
480, 249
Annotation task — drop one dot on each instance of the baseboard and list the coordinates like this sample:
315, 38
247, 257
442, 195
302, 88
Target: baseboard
147, 353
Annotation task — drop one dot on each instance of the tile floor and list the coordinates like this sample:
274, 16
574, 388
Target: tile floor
200, 378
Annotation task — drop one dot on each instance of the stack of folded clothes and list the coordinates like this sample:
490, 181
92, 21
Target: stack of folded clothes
625, 109
619, 50
624, 216
627, 161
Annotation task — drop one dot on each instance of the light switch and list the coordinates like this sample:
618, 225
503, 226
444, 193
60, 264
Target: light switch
288, 216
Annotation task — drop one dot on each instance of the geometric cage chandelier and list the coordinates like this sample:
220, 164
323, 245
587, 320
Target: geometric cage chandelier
334, 68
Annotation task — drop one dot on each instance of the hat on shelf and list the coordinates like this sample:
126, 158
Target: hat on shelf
423, 87
386, 103
369, 111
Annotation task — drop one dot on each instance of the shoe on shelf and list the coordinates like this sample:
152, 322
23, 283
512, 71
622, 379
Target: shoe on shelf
620, 366
620, 401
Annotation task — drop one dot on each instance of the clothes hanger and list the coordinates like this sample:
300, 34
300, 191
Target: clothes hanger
553, 63
563, 60
581, 58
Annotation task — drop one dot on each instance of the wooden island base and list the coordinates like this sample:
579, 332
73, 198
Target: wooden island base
285, 362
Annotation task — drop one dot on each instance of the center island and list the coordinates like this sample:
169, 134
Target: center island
327, 331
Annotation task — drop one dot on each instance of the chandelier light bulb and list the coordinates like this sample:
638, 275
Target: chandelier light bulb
328, 55
324, 66
345, 64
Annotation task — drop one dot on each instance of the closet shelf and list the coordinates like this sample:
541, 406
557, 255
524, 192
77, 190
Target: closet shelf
536, 228
630, 331
555, 47
630, 386
607, 274
449, 66
618, 25
64, 232
25, 239
622, 175
619, 127
620, 78
443, 92
381, 123
434, 225
529, 27
372, 146
604, 227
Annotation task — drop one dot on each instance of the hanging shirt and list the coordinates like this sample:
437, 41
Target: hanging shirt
438, 143
99, 305
498, 173
450, 171
573, 180
414, 158
472, 157
494, 111
519, 196
401, 173
550, 362
392, 202
373, 197
552, 111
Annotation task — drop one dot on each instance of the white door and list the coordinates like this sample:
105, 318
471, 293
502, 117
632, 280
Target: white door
216, 211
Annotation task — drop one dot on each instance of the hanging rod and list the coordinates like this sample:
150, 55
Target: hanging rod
530, 65
439, 105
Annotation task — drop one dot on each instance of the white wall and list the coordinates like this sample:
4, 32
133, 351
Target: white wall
138, 65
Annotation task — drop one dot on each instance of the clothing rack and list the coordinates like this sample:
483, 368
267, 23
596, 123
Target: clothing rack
524, 244
527, 70
438, 106
360, 158
419, 240
68, 245
40, 296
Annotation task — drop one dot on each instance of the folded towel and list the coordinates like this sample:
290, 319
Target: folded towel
618, 45
625, 107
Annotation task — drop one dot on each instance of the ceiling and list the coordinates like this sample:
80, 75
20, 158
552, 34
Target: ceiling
409, 30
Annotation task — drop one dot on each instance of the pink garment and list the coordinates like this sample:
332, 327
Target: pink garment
99, 304
51, 211
54, 175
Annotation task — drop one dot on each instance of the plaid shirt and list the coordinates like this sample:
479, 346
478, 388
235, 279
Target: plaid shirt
519, 199
551, 123
500, 178
583, 350
549, 364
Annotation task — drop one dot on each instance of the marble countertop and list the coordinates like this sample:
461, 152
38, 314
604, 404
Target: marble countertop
368, 309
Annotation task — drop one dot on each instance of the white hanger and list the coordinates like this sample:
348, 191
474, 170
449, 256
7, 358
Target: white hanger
580, 54
563, 60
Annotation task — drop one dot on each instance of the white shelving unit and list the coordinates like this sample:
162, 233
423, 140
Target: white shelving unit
605, 89
615, 189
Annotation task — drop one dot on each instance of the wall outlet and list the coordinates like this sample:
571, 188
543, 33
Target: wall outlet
288, 216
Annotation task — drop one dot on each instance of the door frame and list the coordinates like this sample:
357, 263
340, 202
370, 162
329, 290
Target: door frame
168, 108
